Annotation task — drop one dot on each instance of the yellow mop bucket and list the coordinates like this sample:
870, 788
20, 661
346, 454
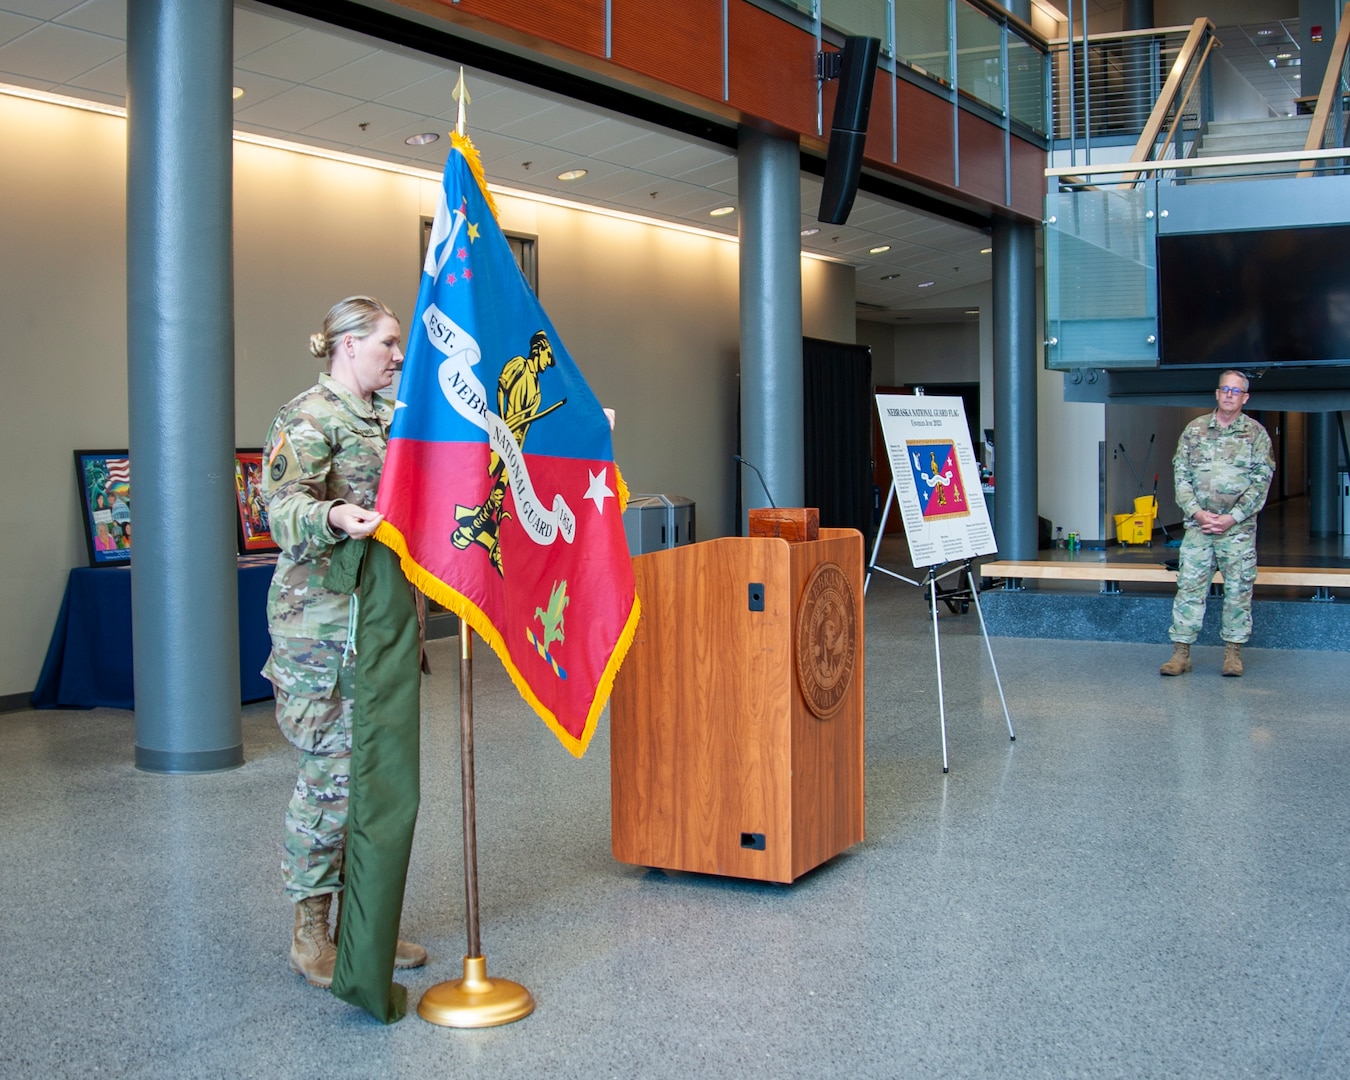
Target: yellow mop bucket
1137, 528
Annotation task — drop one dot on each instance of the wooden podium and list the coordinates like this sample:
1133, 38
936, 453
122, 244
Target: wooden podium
720, 762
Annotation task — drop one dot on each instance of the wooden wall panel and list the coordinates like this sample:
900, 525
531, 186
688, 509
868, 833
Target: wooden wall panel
981, 149
574, 24
880, 120
675, 50
924, 132
680, 44
1028, 178
772, 69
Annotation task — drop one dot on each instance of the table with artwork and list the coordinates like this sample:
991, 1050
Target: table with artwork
89, 660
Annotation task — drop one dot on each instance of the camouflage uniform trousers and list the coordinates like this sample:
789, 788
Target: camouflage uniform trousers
316, 816
1234, 554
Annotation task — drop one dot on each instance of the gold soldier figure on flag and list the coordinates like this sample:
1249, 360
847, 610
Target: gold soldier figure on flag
518, 399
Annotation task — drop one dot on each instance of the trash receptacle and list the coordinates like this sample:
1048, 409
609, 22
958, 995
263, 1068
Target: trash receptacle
654, 522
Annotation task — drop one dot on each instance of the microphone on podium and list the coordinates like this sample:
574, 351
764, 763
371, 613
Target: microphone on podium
764, 485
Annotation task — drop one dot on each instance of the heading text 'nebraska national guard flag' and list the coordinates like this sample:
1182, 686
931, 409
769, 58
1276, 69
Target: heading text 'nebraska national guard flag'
499, 489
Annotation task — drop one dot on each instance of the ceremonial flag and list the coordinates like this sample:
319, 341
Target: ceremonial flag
500, 491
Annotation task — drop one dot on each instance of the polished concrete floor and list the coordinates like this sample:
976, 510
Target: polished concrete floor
1151, 881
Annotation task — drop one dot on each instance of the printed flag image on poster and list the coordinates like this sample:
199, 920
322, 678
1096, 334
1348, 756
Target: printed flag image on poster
500, 490
937, 479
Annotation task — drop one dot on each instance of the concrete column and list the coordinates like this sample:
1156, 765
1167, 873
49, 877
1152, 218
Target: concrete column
769, 204
1324, 453
180, 375
1014, 318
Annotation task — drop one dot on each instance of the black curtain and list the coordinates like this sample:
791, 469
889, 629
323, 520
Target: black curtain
837, 435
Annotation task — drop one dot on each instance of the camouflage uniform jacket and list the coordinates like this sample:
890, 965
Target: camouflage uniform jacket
326, 446
1223, 470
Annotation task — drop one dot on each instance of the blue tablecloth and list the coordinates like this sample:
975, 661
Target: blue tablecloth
89, 659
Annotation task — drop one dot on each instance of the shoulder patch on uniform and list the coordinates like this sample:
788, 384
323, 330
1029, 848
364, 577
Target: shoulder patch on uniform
282, 460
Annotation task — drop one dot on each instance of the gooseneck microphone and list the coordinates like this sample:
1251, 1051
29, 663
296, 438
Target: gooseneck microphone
762, 483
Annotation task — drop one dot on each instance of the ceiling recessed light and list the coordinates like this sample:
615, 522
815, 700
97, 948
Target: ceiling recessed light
722, 211
810, 232
422, 139
238, 93
572, 174
878, 250
972, 311
925, 284
986, 251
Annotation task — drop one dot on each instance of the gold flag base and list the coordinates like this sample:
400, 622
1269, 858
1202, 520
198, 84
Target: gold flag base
475, 1001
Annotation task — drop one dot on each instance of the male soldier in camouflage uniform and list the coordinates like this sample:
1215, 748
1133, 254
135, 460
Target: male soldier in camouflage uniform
1222, 469
325, 449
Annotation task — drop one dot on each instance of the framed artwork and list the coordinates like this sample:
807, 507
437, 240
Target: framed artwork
523, 246
254, 532
104, 481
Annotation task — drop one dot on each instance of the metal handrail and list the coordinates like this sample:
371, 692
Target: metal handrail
1143, 150
1275, 157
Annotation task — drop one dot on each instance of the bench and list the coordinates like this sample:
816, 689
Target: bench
1111, 574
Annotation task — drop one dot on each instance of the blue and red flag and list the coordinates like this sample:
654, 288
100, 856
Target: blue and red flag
937, 479
500, 491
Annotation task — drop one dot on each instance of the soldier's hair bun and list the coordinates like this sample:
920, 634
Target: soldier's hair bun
356, 315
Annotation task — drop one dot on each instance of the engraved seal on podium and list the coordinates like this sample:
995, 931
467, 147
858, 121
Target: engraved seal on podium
827, 639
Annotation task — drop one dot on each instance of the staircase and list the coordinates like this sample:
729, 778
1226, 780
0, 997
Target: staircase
1236, 138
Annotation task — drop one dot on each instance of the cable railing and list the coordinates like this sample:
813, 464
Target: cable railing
1147, 87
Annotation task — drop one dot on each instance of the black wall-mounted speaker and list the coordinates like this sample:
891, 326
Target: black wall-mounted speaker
848, 132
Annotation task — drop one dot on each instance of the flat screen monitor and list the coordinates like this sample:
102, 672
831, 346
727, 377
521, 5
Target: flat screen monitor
1255, 298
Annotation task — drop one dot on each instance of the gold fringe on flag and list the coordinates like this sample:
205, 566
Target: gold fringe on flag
465, 146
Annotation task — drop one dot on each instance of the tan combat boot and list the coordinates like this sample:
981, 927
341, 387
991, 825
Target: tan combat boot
1232, 659
1180, 662
313, 953
407, 954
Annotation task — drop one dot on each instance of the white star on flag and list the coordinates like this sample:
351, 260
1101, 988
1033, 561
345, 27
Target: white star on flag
598, 492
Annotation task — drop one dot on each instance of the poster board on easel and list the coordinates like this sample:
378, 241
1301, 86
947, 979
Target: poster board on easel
936, 478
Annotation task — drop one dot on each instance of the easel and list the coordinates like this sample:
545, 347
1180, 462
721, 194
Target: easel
949, 597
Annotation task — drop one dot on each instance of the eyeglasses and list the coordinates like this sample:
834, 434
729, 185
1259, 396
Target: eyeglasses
1231, 391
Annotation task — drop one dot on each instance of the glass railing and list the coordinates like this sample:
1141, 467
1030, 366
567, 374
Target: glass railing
923, 38
963, 45
1101, 279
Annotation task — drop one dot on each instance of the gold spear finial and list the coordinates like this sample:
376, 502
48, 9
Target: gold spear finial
461, 95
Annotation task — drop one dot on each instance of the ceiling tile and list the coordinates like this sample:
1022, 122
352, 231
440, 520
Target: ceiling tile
254, 31
374, 75
39, 9
303, 56
257, 88
345, 126
107, 17
432, 96
109, 78
296, 109
56, 53
11, 26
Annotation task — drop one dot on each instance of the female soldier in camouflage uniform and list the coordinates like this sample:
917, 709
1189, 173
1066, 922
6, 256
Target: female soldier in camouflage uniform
324, 455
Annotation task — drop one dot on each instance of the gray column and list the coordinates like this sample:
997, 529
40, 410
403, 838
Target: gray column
1324, 455
770, 209
180, 376
1313, 55
1014, 304
1137, 56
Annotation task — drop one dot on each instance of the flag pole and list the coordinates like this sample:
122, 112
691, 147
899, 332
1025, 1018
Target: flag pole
475, 1001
